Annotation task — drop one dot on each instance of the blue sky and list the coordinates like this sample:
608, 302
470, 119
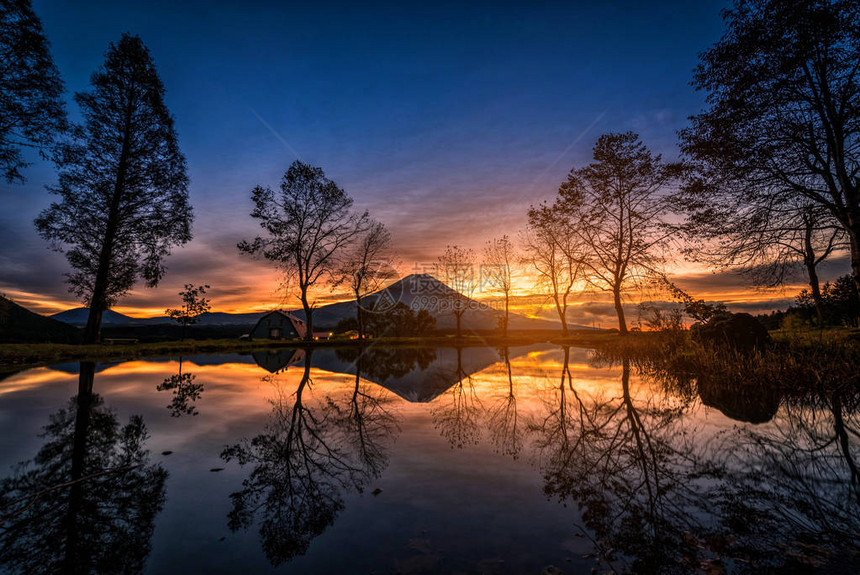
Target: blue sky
445, 120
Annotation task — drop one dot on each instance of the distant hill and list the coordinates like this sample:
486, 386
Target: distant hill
418, 291
18, 324
78, 317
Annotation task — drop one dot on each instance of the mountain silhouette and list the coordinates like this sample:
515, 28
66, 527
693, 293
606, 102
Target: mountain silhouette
418, 291
78, 317
423, 291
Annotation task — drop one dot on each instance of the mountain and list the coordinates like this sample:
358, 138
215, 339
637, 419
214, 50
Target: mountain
18, 324
418, 291
422, 291
78, 317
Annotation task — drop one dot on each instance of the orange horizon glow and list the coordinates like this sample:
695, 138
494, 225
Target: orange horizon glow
525, 299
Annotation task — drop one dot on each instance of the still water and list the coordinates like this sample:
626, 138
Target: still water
418, 460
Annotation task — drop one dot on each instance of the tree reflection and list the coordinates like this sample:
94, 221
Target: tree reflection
381, 364
801, 496
458, 410
185, 392
87, 501
311, 454
658, 488
626, 468
503, 417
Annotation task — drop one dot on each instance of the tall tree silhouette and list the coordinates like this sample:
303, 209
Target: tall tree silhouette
615, 206
87, 502
32, 113
783, 116
731, 225
308, 224
123, 186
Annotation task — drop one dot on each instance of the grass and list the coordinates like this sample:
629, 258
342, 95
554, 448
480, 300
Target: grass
808, 360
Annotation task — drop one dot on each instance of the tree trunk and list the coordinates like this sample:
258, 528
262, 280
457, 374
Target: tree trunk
98, 300
458, 312
358, 315
84, 402
619, 309
309, 318
507, 315
815, 289
854, 238
562, 316
809, 262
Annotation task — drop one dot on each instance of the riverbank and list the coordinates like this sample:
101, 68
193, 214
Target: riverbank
16, 356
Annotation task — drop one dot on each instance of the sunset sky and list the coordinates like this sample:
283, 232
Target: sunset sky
444, 121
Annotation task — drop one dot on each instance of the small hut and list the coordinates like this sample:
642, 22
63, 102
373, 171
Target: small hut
279, 325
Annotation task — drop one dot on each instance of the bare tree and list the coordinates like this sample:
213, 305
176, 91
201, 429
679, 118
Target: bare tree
766, 241
364, 268
308, 224
615, 206
552, 248
783, 88
499, 257
123, 184
456, 268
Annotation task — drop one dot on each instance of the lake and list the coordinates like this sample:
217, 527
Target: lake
535, 459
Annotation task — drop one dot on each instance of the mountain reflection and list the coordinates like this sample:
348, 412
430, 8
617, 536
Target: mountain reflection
312, 453
87, 502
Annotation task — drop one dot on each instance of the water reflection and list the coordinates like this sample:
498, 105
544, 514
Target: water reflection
185, 390
457, 410
503, 424
87, 502
659, 472
794, 485
670, 495
312, 453
628, 467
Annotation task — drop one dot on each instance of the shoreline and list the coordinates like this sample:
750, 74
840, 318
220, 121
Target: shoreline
18, 356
